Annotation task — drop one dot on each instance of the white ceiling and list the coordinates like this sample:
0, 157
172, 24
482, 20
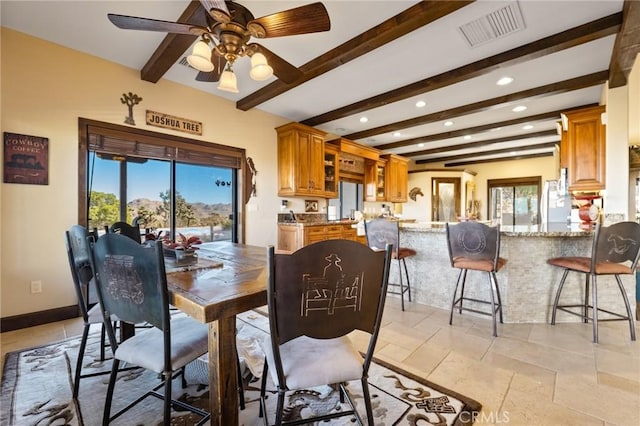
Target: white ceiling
430, 50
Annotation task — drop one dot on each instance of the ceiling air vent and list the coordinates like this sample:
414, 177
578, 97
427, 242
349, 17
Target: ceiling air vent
497, 24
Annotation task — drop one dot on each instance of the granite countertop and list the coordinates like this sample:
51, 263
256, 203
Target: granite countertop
559, 229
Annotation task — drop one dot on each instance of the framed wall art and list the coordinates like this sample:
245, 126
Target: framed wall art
26, 159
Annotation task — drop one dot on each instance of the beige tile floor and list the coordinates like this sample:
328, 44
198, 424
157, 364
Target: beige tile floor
532, 374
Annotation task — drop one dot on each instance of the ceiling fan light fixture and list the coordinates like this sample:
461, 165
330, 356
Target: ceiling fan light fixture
200, 57
228, 81
260, 69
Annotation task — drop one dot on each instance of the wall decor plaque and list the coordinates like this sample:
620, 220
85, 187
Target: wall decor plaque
167, 121
26, 159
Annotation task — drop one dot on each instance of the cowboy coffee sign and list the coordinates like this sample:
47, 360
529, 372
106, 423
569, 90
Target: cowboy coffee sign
26, 159
172, 122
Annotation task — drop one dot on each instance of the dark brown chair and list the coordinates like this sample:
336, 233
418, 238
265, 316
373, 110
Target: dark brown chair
383, 231
615, 251
131, 283
316, 297
474, 246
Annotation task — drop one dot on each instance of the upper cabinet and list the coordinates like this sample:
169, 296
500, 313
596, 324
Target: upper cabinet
584, 153
375, 185
331, 171
387, 179
301, 161
310, 167
397, 178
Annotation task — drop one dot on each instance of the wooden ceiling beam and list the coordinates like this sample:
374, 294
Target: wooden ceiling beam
173, 45
495, 160
488, 152
626, 46
480, 144
572, 84
393, 28
573, 37
477, 129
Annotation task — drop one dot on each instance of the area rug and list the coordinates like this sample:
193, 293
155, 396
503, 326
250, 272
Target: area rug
37, 384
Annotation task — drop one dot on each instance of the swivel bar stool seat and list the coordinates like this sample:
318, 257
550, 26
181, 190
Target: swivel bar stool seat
615, 251
474, 246
382, 231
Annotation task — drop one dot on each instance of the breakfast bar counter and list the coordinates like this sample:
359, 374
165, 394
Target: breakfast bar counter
527, 283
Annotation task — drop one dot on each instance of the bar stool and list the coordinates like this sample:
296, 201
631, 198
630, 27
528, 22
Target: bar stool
475, 246
382, 231
615, 251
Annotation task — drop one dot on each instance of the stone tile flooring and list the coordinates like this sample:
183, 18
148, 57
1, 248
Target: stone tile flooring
532, 374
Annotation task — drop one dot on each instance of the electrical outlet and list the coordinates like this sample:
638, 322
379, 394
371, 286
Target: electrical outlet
36, 286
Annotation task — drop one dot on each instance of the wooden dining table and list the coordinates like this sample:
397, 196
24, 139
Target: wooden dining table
214, 295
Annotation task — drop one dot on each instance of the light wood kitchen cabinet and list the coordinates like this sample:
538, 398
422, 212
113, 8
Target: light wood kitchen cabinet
293, 236
375, 172
397, 178
301, 157
331, 171
585, 140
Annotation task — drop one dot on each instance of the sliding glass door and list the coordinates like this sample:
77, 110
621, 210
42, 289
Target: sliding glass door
514, 201
161, 195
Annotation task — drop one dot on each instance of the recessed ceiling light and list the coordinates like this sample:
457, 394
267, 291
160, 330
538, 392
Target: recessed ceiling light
420, 104
420, 145
527, 127
363, 119
519, 108
397, 134
495, 129
467, 137
448, 123
504, 81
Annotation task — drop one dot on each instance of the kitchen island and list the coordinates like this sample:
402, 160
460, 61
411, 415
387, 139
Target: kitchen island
527, 283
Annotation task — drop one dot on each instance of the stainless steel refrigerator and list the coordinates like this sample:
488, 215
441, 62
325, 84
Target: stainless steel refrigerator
555, 205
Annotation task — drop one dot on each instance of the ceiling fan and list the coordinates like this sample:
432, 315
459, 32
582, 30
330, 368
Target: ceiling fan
226, 37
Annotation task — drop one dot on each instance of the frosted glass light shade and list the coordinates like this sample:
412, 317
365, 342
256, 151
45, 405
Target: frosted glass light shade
228, 81
200, 57
260, 69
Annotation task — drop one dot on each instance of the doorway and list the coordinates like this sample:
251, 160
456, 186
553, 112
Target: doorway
445, 199
515, 201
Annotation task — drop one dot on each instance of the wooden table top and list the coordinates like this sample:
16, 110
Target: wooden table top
210, 294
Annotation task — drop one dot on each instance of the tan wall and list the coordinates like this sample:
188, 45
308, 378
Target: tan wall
634, 103
45, 88
546, 167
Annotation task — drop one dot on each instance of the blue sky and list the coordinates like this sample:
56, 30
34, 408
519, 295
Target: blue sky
148, 180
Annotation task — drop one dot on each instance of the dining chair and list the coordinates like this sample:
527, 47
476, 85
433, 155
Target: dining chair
474, 246
316, 296
131, 283
382, 231
82, 275
615, 251
123, 228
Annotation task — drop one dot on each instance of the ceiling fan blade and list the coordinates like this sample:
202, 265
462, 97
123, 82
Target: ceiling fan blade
281, 68
219, 63
136, 23
311, 18
217, 9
